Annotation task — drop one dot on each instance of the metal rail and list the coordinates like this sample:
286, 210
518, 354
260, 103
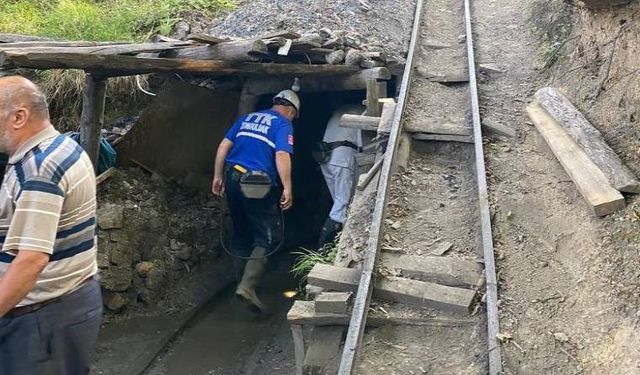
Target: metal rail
493, 323
365, 286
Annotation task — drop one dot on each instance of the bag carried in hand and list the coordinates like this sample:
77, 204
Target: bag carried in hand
321, 152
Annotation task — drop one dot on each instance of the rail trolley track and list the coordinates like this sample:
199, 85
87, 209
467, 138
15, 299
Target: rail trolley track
483, 353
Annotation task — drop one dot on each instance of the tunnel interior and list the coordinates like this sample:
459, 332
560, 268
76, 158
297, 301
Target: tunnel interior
312, 200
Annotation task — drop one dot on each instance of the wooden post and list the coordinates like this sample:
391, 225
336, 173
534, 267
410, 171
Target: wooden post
298, 346
373, 94
92, 117
247, 102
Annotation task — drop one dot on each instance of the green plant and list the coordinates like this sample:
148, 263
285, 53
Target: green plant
309, 258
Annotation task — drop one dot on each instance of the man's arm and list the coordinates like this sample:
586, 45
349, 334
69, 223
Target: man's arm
20, 278
221, 155
283, 164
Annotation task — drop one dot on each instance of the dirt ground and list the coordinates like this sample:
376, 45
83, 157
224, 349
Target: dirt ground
556, 297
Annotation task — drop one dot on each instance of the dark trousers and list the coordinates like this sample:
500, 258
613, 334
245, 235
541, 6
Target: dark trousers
56, 339
256, 222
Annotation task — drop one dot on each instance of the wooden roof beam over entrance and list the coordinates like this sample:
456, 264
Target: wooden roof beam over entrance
122, 65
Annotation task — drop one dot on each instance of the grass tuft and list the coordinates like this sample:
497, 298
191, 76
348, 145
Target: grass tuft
309, 258
106, 20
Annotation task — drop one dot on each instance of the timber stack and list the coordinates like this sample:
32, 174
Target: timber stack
118, 58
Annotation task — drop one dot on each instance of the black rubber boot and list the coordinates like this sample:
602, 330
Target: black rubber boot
329, 232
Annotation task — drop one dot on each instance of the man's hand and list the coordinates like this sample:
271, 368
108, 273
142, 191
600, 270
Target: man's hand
20, 278
218, 186
286, 200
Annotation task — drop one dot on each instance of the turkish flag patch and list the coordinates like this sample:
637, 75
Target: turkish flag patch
291, 139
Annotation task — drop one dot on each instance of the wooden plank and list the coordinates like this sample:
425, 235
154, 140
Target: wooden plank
304, 313
13, 38
365, 178
403, 154
105, 175
356, 79
92, 118
443, 137
324, 348
386, 117
281, 34
361, 122
588, 178
298, 347
55, 43
207, 39
332, 302
497, 128
396, 289
109, 49
437, 127
237, 50
121, 65
441, 270
373, 94
588, 138
284, 50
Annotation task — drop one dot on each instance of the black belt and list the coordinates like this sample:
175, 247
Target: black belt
17, 312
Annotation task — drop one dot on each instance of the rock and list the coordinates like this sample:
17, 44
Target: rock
175, 244
116, 278
114, 301
110, 216
103, 260
353, 57
182, 29
144, 268
326, 33
156, 278
121, 254
335, 57
490, 68
118, 236
561, 337
462, 38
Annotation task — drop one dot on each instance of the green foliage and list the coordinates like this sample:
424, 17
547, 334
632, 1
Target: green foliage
100, 19
309, 258
551, 22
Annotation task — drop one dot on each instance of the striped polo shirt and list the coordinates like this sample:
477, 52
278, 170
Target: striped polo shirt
48, 204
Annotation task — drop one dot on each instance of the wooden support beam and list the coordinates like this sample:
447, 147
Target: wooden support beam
121, 65
386, 117
304, 313
588, 138
92, 117
366, 178
13, 38
588, 178
103, 49
397, 289
355, 79
247, 102
207, 39
443, 137
298, 347
324, 348
434, 126
442, 270
373, 94
55, 43
240, 50
360, 122
105, 175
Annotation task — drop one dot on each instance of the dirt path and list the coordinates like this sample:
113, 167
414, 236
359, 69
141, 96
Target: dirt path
554, 301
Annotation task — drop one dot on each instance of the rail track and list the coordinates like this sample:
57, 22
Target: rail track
480, 229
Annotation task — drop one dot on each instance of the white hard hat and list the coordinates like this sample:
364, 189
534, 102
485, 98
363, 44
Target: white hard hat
291, 97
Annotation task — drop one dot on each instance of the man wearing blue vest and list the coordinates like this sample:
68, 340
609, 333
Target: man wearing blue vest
253, 172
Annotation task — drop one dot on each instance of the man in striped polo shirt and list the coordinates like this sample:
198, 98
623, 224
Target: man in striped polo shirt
50, 301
